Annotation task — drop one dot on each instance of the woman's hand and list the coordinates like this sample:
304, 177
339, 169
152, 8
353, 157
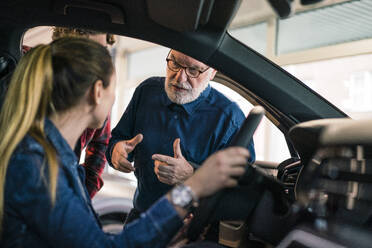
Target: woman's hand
219, 171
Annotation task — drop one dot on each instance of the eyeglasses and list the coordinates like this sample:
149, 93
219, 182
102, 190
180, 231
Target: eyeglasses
190, 71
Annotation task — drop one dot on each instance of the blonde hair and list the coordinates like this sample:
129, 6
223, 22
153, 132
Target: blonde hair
60, 32
49, 79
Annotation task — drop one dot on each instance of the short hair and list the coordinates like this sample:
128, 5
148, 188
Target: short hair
60, 32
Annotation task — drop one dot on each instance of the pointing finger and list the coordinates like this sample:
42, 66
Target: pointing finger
163, 158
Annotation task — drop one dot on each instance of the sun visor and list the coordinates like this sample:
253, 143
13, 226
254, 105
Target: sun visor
190, 15
67, 7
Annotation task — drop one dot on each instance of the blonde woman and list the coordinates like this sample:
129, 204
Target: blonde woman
56, 92
94, 141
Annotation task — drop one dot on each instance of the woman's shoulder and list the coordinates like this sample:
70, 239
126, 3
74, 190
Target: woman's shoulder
28, 147
27, 171
28, 157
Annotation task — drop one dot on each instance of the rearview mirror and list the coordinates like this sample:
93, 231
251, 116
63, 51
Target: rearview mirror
283, 8
307, 2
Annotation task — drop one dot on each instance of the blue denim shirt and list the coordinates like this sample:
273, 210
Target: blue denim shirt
204, 126
31, 221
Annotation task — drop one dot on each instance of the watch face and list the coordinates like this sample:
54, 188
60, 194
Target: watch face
181, 196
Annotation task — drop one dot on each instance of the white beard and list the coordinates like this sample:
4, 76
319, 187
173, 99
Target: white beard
190, 94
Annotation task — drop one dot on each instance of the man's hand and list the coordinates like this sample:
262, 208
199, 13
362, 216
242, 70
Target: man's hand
172, 170
120, 153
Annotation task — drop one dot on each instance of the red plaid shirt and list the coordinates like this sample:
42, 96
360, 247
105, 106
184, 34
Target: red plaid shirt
95, 141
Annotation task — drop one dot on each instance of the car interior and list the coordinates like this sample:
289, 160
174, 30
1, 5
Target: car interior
318, 197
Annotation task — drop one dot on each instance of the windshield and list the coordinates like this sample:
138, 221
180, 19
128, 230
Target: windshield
327, 46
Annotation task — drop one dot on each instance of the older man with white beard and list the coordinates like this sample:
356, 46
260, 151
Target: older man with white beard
171, 126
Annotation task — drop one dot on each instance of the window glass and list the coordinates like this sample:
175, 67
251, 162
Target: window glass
270, 144
345, 82
253, 36
345, 22
147, 63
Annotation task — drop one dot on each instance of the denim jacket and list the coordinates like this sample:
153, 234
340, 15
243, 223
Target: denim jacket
31, 220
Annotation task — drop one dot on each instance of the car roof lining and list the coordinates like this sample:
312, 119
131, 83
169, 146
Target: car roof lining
115, 13
192, 14
137, 23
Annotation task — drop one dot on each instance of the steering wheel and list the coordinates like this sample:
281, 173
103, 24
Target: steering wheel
248, 184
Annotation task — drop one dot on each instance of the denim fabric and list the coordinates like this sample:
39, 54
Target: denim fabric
204, 126
32, 221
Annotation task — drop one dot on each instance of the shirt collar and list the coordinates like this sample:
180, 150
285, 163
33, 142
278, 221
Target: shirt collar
191, 106
66, 154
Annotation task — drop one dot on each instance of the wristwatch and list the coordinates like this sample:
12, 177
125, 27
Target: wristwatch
182, 196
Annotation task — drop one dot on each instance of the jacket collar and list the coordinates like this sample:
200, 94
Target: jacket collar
68, 160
